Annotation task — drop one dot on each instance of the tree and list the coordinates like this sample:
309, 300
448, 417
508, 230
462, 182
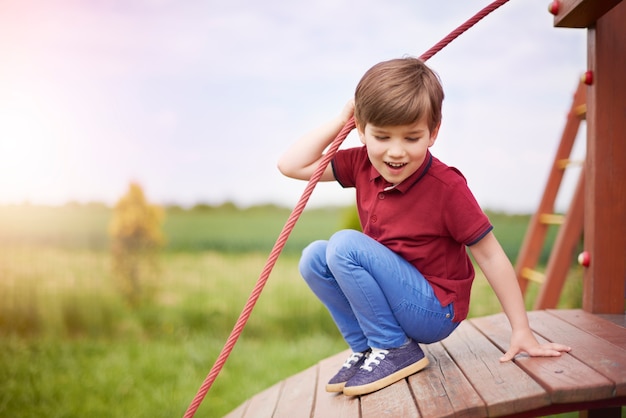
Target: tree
136, 238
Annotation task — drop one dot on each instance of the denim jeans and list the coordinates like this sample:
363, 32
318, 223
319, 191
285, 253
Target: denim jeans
376, 298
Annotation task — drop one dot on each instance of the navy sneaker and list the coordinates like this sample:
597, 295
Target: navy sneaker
349, 368
384, 367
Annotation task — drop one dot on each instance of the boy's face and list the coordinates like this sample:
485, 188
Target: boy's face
396, 152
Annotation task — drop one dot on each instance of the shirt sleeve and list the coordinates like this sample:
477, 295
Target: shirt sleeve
346, 165
464, 218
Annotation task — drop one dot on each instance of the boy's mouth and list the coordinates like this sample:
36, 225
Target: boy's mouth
396, 165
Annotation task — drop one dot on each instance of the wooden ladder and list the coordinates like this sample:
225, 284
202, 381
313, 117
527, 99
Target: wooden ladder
571, 224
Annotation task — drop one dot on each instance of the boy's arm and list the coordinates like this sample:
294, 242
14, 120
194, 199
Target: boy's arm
303, 157
501, 276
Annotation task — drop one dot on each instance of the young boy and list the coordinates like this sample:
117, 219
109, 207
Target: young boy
407, 278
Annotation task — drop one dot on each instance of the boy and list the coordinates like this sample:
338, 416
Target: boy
407, 278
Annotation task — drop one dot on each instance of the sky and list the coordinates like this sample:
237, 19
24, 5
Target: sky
195, 100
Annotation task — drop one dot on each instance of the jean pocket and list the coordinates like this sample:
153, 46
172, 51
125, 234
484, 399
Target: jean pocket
425, 325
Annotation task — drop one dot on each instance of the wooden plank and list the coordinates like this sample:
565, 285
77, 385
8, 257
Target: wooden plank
607, 330
581, 13
262, 405
298, 394
607, 359
239, 411
617, 319
565, 378
393, 401
504, 387
333, 404
605, 171
441, 390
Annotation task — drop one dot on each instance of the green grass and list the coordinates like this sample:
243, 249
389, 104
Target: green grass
70, 347
138, 378
224, 229
82, 352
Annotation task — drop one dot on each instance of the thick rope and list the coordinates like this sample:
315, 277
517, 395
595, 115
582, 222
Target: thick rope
295, 215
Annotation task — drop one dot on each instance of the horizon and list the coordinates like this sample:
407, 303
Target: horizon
199, 206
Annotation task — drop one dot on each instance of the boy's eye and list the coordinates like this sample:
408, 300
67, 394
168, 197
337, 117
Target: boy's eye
380, 137
413, 139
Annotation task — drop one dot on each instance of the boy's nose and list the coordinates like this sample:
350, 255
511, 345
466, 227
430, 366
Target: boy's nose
395, 151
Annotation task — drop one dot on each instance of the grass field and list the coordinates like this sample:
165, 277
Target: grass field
70, 347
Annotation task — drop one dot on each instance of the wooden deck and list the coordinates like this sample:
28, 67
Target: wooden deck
465, 378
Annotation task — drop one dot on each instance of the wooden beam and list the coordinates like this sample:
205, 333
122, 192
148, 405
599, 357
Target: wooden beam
605, 169
581, 13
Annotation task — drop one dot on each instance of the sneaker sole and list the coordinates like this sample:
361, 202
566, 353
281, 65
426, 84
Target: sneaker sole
386, 381
335, 387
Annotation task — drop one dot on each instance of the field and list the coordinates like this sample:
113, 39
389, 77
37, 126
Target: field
70, 346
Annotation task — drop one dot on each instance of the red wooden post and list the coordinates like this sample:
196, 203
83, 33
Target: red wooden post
605, 166
605, 203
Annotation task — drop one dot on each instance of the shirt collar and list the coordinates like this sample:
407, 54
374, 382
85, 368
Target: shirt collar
409, 181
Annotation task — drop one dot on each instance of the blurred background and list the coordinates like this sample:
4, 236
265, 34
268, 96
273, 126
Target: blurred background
139, 195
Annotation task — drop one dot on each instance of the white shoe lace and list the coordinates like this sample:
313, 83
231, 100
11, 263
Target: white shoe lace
354, 357
374, 358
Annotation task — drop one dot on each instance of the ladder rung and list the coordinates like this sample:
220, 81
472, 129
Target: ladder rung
581, 111
551, 219
566, 162
533, 275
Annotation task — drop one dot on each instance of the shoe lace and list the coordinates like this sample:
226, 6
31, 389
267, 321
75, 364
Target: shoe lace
374, 358
353, 359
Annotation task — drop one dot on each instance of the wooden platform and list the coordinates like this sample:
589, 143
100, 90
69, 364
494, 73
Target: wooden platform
465, 378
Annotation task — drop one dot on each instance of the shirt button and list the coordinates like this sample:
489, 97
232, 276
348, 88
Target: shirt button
381, 196
373, 219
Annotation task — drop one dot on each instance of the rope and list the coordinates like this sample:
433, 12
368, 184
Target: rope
464, 27
295, 215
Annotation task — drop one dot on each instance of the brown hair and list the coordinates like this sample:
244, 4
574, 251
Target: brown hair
399, 92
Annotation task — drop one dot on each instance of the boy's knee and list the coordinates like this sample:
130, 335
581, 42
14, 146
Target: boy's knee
345, 236
342, 240
314, 249
313, 255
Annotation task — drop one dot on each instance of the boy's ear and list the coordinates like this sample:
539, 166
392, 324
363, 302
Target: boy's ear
433, 135
361, 130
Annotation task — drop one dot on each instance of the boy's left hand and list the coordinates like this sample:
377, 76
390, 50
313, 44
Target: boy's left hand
525, 341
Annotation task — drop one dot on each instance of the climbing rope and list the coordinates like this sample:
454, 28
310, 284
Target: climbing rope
295, 215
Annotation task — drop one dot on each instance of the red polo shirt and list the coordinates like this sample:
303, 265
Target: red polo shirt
428, 219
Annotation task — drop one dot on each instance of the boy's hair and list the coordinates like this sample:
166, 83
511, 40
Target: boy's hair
399, 92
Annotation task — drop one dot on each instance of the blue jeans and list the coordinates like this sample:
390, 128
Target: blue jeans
376, 298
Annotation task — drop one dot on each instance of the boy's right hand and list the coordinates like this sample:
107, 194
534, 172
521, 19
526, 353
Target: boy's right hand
347, 112
302, 159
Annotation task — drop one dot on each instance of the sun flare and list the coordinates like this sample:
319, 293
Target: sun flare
30, 151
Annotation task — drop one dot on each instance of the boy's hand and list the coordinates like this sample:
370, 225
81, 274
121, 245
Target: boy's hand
347, 112
525, 341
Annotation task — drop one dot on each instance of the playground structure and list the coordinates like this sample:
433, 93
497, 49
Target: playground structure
463, 380
605, 171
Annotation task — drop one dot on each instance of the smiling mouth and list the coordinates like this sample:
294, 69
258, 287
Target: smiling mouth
396, 165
